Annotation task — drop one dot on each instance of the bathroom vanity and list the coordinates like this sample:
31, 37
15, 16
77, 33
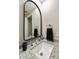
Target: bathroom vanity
42, 49
37, 46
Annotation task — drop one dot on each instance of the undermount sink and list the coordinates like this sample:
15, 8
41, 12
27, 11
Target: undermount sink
42, 51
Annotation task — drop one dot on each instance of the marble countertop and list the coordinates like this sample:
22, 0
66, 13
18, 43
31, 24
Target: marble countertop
54, 53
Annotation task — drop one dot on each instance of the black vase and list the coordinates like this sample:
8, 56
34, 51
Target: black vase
50, 34
24, 46
35, 32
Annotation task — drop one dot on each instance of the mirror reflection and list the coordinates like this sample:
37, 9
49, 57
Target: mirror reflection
32, 21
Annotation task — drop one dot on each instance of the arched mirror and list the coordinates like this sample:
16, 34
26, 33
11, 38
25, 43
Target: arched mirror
32, 22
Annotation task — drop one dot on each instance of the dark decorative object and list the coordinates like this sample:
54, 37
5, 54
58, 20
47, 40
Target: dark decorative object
35, 32
24, 46
50, 34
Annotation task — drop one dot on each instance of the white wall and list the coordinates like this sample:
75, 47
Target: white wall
50, 13
21, 2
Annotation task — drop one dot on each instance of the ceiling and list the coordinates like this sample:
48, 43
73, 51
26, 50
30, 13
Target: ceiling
29, 8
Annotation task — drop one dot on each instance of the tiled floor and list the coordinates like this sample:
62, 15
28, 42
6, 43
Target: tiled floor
34, 43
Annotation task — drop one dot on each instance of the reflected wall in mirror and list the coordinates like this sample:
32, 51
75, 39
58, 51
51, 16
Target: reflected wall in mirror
32, 21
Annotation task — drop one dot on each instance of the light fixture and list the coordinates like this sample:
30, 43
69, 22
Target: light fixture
42, 1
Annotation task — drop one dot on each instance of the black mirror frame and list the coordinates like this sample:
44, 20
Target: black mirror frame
24, 18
